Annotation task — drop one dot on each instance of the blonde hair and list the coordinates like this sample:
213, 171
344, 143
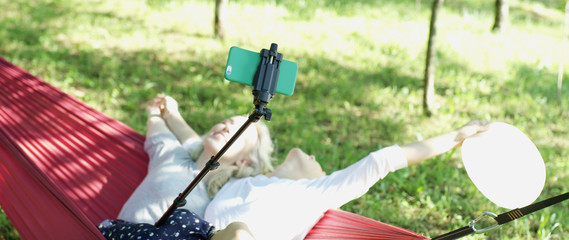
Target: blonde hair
260, 161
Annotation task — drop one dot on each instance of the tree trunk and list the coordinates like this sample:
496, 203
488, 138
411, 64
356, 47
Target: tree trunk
418, 5
564, 49
429, 81
501, 16
219, 15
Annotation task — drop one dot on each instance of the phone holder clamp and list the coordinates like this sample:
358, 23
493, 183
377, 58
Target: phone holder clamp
265, 80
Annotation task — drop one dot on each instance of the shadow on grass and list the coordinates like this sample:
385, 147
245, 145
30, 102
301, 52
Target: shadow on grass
537, 81
138, 75
128, 79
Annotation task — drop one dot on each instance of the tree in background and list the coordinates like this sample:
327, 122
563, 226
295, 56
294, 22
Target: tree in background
220, 6
564, 49
429, 80
501, 16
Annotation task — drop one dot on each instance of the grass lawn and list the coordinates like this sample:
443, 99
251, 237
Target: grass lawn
359, 86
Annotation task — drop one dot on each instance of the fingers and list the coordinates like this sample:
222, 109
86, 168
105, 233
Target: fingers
476, 126
152, 108
160, 97
165, 103
470, 129
156, 105
170, 105
479, 123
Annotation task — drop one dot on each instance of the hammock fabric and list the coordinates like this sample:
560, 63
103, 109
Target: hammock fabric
337, 224
64, 167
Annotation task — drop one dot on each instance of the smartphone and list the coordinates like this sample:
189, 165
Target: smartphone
242, 65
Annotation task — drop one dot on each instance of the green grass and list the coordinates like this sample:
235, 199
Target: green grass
359, 85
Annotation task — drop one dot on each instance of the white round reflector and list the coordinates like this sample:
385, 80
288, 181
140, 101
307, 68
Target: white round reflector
505, 165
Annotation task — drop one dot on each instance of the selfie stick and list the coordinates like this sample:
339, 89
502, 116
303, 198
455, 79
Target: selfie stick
264, 85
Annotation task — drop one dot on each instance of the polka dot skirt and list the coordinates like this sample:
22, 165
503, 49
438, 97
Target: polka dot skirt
182, 224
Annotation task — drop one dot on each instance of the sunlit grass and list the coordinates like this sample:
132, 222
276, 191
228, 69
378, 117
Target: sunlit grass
359, 85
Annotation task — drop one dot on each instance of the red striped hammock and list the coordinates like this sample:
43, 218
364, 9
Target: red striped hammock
64, 167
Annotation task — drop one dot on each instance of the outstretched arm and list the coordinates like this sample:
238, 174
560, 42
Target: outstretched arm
419, 151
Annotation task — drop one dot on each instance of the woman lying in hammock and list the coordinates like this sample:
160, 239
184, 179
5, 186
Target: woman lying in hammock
171, 169
299, 182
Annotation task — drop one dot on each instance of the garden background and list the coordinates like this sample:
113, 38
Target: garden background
359, 86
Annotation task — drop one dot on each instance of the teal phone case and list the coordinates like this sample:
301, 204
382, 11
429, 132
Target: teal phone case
242, 65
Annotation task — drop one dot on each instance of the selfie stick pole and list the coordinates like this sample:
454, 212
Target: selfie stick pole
264, 85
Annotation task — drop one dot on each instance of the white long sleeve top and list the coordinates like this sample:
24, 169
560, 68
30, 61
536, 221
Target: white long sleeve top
277, 208
170, 171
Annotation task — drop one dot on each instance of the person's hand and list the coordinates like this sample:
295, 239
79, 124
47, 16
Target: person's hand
153, 108
168, 106
470, 129
163, 106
